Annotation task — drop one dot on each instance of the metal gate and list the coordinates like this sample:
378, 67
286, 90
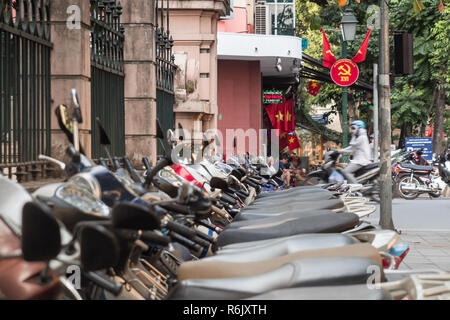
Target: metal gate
165, 69
107, 76
24, 86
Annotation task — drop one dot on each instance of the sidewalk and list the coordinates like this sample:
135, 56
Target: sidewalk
428, 249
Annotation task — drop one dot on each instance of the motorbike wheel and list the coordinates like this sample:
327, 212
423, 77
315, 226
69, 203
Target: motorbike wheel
312, 181
435, 194
407, 180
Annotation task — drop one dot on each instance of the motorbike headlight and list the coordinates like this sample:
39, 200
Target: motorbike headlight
78, 196
88, 182
169, 175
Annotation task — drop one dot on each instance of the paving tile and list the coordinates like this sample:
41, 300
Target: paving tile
432, 252
444, 266
423, 266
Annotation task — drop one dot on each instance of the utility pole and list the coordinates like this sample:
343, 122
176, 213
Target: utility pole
375, 112
385, 121
344, 106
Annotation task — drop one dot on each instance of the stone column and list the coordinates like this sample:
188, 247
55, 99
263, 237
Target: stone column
70, 67
193, 25
140, 80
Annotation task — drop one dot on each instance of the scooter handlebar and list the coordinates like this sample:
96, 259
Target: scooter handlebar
104, 282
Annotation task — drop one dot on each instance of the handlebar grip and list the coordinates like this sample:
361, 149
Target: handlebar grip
155, 238
116, 163
134, 175
251, 183
184, 241
204, 236
102, 281
77, 114
181, 229
228, 199
103, 162
128, 165
146, 163
209, 225
201, 242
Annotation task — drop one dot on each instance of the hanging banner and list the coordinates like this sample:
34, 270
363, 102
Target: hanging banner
313, 88
344, 72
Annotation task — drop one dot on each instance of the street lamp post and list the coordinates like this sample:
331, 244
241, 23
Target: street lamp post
348, 29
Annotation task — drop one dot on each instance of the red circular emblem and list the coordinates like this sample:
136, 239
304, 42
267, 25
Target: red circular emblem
344, 72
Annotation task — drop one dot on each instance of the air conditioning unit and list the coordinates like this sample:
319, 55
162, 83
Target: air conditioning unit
262, 21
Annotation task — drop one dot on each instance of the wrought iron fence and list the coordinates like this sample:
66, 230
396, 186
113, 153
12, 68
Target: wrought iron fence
24, 86
165, 70
107, 76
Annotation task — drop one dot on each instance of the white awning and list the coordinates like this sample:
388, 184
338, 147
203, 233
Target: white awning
263, 48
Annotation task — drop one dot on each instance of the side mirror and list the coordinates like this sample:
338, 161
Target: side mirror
127, 215
104, 139
41, 236
64, 122
99, 248
237, 174
184, 192
159, 130
217, 140
180, 127
218, 183
170, 135
75, 107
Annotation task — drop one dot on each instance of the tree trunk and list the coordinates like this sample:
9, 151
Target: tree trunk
402, 136
352, 111
422, 130
439, 121
385, 179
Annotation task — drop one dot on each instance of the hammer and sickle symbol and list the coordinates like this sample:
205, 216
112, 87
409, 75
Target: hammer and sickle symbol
344, 70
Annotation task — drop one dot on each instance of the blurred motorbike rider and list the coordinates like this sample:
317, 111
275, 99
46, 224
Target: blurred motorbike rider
359, 147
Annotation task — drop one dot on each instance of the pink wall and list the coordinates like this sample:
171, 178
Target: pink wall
239, 95
238, 24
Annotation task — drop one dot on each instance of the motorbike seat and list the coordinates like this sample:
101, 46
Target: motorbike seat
294, 192
298, 242
300, 273
351, 292
265, 218
320, 223
276, 201
366, 168
417, 167
263, 250
299, 210
222, 268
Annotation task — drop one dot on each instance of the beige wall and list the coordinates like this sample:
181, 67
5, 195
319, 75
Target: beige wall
193, 25
71, 68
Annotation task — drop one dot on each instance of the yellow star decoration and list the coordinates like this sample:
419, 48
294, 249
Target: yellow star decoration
288, 116
291, 140
330, 52
314, 84
279, 116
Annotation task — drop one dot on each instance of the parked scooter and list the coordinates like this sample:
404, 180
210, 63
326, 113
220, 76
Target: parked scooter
411, 179
136, 221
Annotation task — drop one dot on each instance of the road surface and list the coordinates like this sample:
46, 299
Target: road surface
418, 214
